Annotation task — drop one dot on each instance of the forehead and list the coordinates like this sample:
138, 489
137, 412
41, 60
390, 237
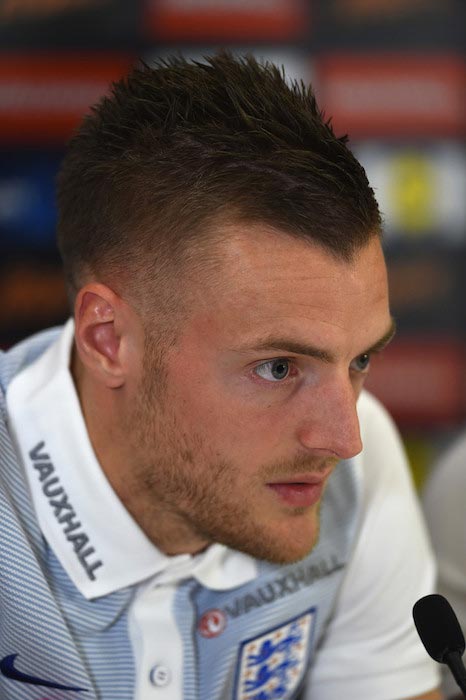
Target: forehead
255, 259
265, 281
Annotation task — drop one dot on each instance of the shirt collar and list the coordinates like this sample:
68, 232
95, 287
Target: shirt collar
97, 541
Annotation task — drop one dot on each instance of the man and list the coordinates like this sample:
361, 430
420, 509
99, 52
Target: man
188, 512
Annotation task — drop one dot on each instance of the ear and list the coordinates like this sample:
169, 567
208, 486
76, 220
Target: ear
102, 325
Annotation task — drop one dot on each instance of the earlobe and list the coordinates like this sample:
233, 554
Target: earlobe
97, 333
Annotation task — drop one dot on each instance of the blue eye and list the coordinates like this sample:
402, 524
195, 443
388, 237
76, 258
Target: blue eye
274, 370
361, 363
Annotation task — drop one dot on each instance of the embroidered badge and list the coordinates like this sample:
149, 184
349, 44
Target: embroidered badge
271, 666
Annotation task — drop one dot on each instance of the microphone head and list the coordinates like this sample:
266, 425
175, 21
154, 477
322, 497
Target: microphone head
438, 626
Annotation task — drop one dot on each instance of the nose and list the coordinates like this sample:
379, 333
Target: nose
330, 423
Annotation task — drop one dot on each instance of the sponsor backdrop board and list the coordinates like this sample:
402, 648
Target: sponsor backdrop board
420, 187
409, 95
398, 25
43, 97
421, 379
69, 24
231, 20
27, 198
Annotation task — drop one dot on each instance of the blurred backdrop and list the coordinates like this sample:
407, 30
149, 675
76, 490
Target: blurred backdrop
391, 74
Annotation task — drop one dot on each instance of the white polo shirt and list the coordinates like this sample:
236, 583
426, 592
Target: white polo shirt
201, 627
96, 540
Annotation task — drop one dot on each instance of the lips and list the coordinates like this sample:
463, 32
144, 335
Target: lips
300, 492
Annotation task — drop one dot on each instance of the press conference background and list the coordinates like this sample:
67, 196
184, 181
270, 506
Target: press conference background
392, 75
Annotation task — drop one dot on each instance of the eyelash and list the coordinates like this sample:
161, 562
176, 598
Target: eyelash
293, 370
366, 368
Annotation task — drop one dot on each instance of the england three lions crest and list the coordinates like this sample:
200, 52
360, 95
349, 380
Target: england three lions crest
271, 666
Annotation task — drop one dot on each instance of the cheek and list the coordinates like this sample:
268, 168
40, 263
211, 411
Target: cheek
230, 429
235, 420
259, 435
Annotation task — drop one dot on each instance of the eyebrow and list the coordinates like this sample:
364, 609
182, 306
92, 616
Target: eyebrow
286, 344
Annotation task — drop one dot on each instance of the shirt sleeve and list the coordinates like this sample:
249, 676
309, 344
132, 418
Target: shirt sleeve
371, 650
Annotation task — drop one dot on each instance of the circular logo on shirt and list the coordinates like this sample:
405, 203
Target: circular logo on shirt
212, 623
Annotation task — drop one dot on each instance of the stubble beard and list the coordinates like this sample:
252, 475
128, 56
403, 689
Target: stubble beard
181, 488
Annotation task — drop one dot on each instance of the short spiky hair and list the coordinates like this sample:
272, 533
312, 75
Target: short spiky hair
181, 146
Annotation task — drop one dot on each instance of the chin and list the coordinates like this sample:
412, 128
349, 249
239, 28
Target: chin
279, 547
284, 555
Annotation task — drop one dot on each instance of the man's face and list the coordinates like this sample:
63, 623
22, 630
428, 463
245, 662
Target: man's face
259, 397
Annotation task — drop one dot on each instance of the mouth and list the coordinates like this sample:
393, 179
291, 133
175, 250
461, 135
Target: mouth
301, 491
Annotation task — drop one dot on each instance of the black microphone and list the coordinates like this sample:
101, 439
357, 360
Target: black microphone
440, 632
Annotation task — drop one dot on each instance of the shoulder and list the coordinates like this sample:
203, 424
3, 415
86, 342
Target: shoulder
382, 462
24, 353
375, 421
17, 358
